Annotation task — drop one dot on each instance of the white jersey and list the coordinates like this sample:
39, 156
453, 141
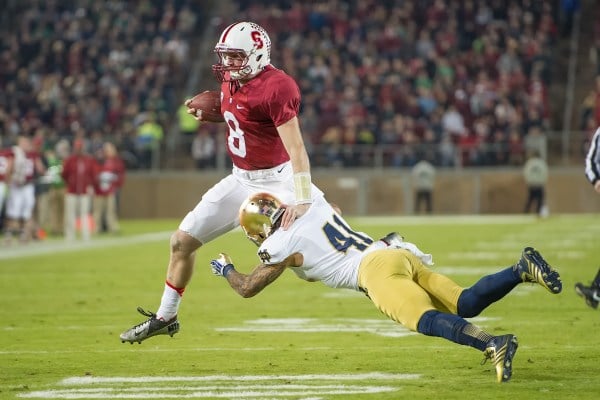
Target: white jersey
592, 159
332, 251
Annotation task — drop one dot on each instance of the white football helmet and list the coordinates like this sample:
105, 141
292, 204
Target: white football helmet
258, 214
248, 41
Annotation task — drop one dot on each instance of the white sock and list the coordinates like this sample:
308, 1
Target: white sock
169, 304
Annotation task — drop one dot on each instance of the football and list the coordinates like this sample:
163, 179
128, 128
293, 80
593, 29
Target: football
209, 102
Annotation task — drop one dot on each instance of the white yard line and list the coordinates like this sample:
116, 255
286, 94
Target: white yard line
445, 220
308, 386
53, 247
92, 380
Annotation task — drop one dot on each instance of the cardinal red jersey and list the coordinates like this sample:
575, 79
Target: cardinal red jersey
110, 175
253, 114
79, 173
5, 156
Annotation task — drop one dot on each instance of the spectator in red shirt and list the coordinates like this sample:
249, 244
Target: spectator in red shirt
110, 175
79, 174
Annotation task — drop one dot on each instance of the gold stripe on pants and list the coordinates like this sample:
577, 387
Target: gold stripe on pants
403, 288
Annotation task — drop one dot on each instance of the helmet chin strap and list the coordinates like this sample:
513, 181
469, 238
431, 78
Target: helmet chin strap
234, 86
277, 214
276, 219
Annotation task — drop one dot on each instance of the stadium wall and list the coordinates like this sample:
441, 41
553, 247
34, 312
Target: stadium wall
374, 192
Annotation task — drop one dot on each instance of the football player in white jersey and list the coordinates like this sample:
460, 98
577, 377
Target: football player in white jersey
394, 274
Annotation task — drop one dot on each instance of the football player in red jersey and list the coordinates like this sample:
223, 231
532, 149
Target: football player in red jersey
110, 176
260, 106
24, 164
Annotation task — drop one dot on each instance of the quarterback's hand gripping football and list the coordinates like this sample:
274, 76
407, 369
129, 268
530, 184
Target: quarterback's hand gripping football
194, 112
222, 266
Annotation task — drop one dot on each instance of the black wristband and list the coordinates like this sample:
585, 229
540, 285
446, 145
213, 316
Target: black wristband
227, 269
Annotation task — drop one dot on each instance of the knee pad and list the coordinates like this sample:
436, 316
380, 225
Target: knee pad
425, 324
467, 306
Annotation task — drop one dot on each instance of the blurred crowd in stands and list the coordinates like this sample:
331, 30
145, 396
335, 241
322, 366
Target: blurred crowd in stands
424, 78
94, 70
590, 109
87, 89
456, 82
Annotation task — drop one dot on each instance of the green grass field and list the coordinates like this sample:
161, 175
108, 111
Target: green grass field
62, 310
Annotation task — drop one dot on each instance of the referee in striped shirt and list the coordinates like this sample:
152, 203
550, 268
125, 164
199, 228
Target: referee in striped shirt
591, 293
592, 161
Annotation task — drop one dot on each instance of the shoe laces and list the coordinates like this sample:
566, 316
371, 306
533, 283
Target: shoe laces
145, 313
491, 351
488, 355
535, 258
141, 326
151, 316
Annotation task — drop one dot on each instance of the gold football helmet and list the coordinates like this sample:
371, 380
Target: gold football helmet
258, 214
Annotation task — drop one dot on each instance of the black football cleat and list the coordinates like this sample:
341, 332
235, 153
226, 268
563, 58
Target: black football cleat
591, 294
501, 350
151, 327
533, 268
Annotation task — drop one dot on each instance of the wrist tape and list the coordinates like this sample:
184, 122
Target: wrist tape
302, 187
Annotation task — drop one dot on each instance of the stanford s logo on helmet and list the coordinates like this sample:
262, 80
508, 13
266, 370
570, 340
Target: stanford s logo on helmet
246, 41
258, 214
